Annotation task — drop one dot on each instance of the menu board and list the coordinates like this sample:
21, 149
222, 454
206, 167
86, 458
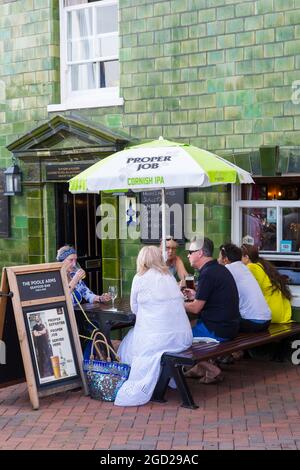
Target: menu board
151, 221
46, 326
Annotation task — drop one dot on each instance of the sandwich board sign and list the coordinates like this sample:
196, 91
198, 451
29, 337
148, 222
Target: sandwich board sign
46, 326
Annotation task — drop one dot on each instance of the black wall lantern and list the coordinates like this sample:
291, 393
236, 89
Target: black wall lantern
12, 180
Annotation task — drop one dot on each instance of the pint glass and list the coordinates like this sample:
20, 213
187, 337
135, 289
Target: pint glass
55, 366
189, 281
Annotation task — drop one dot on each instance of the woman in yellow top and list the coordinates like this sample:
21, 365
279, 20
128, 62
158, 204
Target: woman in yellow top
273, 285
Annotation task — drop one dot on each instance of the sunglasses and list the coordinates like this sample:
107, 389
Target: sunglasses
190, 252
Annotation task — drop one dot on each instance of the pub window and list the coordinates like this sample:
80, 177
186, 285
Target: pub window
267, 214
89, 53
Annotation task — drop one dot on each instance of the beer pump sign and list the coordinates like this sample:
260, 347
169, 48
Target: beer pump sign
47, 329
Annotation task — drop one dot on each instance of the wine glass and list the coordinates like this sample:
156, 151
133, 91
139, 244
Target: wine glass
113, 291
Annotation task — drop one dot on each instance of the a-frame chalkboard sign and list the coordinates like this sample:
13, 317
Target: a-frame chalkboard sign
46, 326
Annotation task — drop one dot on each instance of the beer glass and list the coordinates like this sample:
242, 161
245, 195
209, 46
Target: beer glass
189, 281
55, 366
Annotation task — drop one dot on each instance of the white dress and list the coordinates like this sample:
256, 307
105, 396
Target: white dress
161, 325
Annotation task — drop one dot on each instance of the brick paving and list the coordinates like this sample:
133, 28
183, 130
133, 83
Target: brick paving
256, 407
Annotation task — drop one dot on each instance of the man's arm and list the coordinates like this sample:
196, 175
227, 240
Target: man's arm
194, 307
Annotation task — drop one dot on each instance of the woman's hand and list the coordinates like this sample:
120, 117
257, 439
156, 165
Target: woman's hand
80, 274
103, 298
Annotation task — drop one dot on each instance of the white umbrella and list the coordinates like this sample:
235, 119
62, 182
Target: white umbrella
159, 164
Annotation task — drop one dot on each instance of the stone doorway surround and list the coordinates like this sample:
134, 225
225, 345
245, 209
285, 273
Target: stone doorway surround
62, 140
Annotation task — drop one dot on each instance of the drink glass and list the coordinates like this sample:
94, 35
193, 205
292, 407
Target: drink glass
113, 291
189, 281
55, 366
77, 267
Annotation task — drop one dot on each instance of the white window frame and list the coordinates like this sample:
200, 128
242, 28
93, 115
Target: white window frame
237, 204
93, 98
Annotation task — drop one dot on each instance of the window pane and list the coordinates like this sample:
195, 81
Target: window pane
70, 3
107, 19
108, 46
80, 50
253, 192
291, 226
259, 227
83, 77
109, 74
80, 23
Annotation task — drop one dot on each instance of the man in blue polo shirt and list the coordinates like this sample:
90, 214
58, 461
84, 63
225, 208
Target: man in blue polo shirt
216, 302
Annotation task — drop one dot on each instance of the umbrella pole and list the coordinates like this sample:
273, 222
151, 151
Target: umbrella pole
163, 223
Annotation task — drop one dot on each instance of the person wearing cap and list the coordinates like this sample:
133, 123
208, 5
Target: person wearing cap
216, 303
78, 289
174, 262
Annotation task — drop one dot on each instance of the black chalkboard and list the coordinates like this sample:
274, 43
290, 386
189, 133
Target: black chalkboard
41, 285
150, 217
4, 209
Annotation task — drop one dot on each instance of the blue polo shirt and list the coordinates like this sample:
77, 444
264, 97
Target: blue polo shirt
217, 287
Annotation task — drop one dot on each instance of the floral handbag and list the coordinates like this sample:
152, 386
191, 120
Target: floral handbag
104, 378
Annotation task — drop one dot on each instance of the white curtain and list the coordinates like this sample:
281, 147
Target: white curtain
80, 47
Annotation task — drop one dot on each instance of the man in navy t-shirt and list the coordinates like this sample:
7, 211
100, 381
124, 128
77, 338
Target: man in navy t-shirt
216, 301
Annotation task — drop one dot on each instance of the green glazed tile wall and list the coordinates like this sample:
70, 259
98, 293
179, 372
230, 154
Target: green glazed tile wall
49, 222
29, 81
110, 252
214, 73
36, 232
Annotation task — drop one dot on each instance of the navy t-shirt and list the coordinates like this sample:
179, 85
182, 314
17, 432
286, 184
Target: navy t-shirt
217, 287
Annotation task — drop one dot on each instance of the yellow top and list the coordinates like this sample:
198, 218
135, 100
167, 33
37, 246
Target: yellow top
279, 305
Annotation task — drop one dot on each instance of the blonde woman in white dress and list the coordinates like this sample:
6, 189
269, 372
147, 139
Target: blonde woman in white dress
161, 325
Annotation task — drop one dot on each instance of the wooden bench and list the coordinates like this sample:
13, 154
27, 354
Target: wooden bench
172, 363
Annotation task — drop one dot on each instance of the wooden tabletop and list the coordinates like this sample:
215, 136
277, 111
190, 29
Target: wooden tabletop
103, 312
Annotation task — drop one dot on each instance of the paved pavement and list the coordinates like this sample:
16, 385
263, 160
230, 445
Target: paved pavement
256, 407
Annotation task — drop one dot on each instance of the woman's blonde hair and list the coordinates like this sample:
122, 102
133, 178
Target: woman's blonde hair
150, 257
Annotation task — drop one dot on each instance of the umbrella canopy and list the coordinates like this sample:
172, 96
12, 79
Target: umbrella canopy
158, 164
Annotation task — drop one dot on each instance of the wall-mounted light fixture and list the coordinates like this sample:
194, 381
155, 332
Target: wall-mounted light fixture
12, 182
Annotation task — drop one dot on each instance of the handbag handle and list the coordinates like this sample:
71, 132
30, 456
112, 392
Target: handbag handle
95, 332
86, 317
108, 347
108, 358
